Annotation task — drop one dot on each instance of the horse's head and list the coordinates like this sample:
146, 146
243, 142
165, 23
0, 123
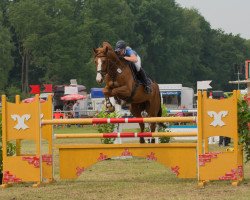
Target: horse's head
102, 56
101, 62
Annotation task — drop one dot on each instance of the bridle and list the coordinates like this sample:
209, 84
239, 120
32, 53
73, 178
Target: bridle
111, 68
102, 72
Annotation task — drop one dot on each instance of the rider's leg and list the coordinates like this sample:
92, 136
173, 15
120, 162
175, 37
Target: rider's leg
138, 64
143, 75
145, 81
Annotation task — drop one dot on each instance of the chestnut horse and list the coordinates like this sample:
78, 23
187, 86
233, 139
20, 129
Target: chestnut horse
120, 83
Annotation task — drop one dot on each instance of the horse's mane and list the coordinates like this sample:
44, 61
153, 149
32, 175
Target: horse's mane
112, 53
106, 44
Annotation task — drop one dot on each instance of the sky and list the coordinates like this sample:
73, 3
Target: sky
232, 16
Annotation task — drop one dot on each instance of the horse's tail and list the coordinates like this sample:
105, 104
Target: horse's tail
160, 112
160, 109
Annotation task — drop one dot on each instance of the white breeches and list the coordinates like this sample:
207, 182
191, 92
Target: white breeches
138, 64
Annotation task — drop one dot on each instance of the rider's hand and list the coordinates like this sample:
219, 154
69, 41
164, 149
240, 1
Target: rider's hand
121, 57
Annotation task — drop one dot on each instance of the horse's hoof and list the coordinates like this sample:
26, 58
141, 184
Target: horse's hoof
111, 109
142, 141
118, 101
108, 105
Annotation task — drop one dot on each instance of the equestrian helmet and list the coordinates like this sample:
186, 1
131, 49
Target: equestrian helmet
120, 45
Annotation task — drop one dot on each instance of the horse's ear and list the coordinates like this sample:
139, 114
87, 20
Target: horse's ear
106, 44
94, 50
106, 49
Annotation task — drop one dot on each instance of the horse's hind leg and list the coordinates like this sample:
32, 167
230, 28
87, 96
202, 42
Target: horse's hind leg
152, 129
136, 110
142, 126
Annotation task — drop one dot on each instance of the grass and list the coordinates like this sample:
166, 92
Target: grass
75, 129
133, 179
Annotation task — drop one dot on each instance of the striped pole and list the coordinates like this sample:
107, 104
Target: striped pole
182, 111
118, 120
125, 135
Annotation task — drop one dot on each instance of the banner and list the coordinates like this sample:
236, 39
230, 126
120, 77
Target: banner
47, 88
35, 89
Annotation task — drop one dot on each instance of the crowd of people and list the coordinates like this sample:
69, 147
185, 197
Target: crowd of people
70, 110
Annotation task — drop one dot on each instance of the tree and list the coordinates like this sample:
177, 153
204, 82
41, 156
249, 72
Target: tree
28, 28
6, 61
53, 41
108, 21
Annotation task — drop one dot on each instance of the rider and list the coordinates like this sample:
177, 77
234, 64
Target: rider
130, 55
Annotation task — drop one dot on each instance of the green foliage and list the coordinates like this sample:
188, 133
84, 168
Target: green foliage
164, 139
164, 129
107, 128
243, 128
164, 110
11, 148
11, 92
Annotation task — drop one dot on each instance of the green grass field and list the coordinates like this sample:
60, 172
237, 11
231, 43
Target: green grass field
125, 179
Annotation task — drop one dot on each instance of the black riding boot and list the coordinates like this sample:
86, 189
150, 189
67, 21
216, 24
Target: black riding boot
145, 81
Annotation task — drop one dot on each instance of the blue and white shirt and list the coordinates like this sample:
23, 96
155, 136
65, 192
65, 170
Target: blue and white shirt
129, 51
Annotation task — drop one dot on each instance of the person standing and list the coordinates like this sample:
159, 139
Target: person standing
76, 110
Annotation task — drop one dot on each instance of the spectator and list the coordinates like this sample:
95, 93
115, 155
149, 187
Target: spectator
76, 110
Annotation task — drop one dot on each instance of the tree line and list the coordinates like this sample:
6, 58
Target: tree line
51, 41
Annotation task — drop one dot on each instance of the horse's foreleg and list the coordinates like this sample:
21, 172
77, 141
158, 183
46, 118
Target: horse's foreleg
123, 91
106, 91
109, 105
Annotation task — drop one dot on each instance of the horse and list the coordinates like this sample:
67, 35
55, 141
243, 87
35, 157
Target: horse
120, 83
